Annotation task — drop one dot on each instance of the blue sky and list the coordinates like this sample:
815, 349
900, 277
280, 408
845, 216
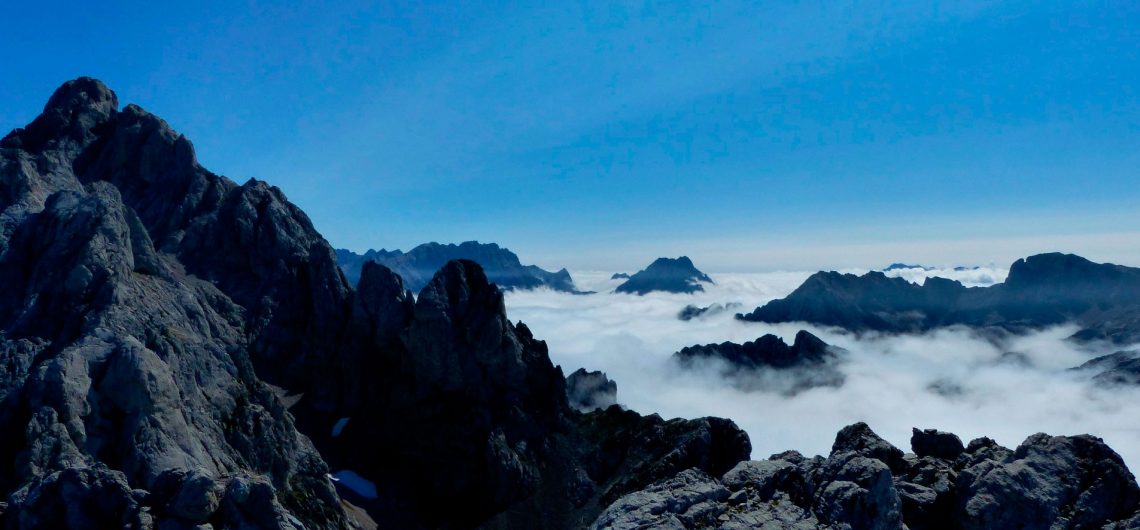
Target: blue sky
750, 136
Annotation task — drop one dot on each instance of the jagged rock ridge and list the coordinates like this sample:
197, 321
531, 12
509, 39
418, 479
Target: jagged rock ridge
590, 390
671, 275
418, 266
769, 363
1041, 290
141, 292
148, 303
1046, 482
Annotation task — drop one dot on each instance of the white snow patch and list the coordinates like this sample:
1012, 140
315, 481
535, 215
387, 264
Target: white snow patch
358, 484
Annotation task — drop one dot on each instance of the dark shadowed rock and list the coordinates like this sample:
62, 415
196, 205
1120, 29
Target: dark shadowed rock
590, 390
807, 363
1041, 290
470, 408
620, 276
691, 311
418, 266
936, 444
625, 451
768, 351
667, 275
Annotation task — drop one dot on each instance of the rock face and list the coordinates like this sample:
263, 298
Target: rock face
462, 404
769, 363
667, 275
141, 295
149, 305
937, 444
418, 266
590, 390
1047, 482
1041, 290
1120, 368
620, 276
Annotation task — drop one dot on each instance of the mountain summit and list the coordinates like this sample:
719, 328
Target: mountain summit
668, 275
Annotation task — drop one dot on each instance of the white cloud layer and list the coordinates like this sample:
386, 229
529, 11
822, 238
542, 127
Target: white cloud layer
969, 276
948, 379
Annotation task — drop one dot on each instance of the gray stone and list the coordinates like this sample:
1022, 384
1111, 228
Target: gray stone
678, 502
1049, 481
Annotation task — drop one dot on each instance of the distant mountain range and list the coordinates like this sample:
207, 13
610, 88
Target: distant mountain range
904, 266
417, 266
667, 275
1041, 290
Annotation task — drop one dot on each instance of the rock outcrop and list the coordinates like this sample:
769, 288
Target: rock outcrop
768, 363
666, 275
1042, 290
590, 390
691, 311
418, 266
1047, 482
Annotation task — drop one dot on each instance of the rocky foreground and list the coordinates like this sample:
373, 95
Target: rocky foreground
178, 351
1046, 482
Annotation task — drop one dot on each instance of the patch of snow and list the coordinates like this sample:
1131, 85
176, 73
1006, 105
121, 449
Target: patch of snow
358, 484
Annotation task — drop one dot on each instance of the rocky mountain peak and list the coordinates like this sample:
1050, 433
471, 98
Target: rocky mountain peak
82, 94
673, 275
70, 117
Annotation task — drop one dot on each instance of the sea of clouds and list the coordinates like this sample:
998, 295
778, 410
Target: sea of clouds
951, 379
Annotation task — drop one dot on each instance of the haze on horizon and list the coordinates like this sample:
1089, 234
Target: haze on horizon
749, 136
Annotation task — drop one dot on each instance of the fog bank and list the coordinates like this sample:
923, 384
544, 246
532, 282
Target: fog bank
950, 379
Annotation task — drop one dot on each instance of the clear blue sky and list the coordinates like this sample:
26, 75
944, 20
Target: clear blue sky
747, 135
